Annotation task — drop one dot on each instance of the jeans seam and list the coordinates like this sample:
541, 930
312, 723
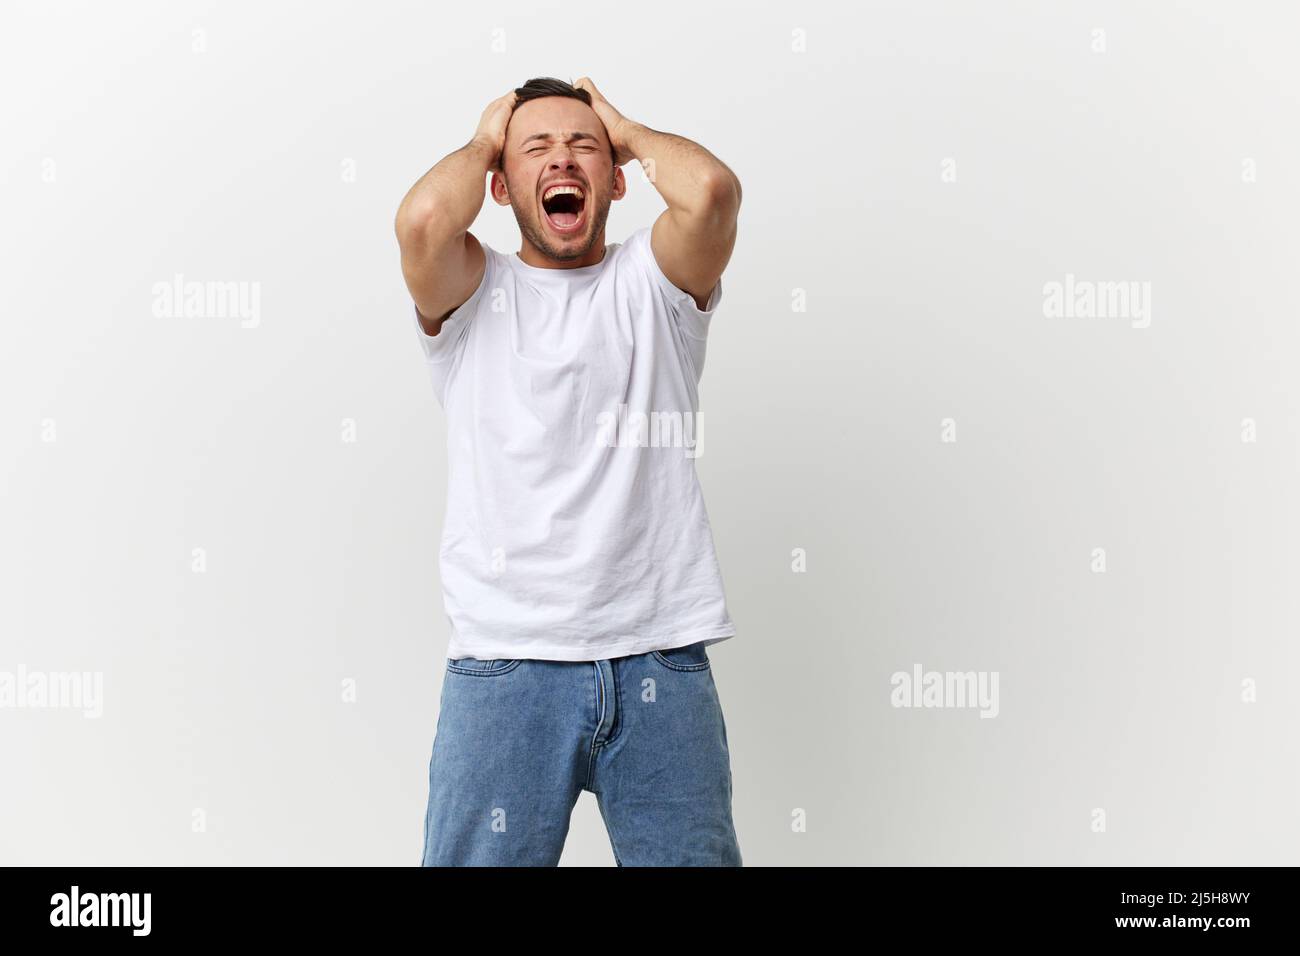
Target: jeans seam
598, 684
616, 673
609, 832
428, 812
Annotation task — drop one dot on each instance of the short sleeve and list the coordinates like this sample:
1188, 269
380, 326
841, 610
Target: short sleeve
441, 349
692, 320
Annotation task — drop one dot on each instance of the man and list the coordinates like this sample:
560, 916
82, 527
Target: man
578, 566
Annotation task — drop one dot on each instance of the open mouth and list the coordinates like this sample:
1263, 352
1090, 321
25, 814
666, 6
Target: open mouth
565, 207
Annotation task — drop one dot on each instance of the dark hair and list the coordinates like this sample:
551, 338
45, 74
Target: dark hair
541, 86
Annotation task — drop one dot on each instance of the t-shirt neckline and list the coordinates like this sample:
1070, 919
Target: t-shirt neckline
544, 273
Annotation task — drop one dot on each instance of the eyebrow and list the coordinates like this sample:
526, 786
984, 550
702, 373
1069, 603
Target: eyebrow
573, 138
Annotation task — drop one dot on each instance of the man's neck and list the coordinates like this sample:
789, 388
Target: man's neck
530, 255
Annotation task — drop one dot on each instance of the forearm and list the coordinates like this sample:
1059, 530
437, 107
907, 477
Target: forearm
691, 180
446, 200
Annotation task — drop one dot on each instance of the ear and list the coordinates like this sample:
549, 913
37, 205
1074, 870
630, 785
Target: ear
620, 184
497, 186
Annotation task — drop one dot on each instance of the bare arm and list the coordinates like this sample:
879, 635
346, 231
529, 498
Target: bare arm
694, 237
442, 262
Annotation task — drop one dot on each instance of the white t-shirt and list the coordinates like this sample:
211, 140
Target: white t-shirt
575, 526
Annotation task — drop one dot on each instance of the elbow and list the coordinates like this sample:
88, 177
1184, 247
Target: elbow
723, 197
735, 188
414, 221
724, 192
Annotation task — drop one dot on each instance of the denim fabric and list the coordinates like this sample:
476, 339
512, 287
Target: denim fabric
518, 740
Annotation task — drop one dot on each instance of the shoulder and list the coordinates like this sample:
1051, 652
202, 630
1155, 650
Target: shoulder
635, 256
637, 245
639, 252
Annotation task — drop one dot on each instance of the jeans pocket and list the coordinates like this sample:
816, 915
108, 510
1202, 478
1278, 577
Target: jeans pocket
692, 657
472, 667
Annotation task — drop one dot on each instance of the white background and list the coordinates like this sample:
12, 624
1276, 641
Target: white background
129, 157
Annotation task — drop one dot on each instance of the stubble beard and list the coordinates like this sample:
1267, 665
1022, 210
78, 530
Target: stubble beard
535, 232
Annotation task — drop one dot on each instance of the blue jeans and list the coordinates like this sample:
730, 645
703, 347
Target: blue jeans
519, 740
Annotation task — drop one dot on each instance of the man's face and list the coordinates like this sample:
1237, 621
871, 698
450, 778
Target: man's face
552, 141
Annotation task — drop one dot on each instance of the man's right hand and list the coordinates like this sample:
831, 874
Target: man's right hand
492, 125
442, 262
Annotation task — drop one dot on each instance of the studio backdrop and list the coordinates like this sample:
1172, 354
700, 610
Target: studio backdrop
999, 446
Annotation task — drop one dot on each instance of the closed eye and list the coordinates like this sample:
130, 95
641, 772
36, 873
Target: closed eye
542, 149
